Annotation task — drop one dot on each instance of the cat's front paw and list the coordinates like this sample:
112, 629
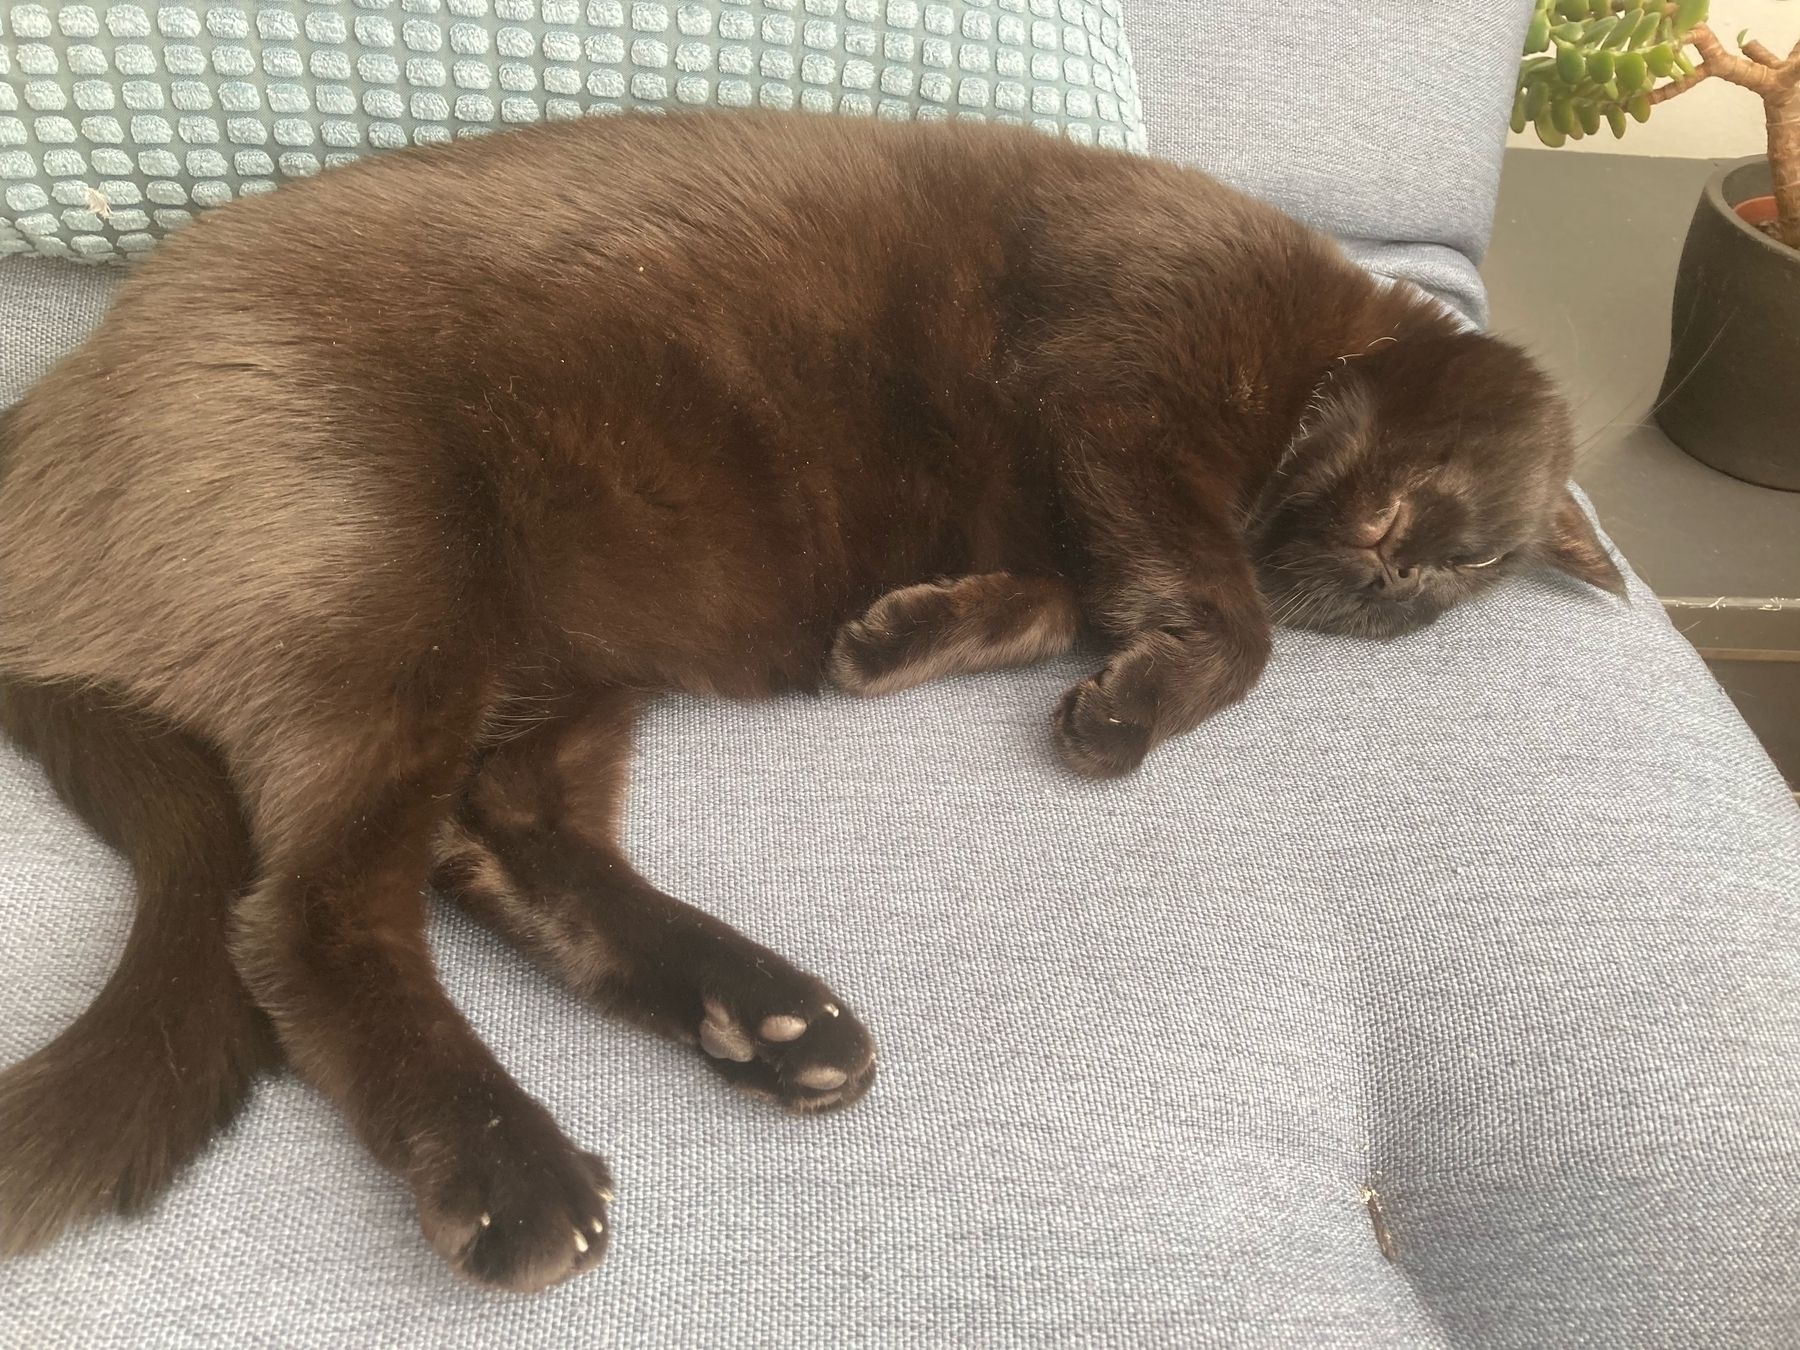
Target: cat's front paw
510, 1203
798, 1045
1099, 734
890, 647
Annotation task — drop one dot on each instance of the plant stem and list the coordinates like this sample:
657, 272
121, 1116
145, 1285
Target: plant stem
1761, 54
1784, 163
1681, 86
1729, 66
1777, 83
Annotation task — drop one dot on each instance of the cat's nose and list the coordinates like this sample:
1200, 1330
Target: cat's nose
1380, 532
1394, 582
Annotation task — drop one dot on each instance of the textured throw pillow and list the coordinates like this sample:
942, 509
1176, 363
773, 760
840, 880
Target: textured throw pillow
118, 121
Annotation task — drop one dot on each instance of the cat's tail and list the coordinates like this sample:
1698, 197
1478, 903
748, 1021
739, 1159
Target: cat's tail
107, 1113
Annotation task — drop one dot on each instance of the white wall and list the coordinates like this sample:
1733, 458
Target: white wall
1716, 120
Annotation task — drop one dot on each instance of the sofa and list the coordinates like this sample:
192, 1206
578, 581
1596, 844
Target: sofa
1444, 993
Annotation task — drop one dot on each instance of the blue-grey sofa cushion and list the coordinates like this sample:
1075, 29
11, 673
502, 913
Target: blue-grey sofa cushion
1500, 923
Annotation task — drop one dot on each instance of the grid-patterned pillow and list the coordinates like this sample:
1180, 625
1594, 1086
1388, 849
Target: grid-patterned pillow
118, 121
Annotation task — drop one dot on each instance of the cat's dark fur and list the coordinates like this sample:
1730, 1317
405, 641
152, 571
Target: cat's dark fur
342, 554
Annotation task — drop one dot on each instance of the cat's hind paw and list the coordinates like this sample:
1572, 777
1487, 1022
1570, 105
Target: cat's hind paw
513, 1205
808, 1054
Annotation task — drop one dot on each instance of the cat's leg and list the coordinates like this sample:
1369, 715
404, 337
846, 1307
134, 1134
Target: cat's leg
532, 852
990, 621
332, 945
1189, 631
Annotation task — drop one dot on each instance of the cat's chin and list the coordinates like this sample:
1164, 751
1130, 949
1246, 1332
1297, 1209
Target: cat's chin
1353, 616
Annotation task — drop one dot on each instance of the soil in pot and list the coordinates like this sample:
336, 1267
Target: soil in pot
1760, 212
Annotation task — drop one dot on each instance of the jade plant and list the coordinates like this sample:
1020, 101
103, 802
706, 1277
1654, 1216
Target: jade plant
1613, 61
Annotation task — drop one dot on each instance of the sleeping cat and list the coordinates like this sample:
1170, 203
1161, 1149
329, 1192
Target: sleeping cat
343, 554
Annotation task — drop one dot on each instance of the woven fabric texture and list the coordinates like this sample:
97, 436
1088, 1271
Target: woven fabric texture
1376, 123
118, 121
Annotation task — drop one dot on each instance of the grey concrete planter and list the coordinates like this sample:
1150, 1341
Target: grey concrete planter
1731, 394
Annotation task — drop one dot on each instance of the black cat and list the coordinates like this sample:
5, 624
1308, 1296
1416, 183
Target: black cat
343, 553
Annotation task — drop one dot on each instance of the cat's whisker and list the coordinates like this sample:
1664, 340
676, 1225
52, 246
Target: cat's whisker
1299, 604
1616, 423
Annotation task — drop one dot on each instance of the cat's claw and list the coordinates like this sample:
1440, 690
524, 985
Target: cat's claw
805, 1063
521, 1210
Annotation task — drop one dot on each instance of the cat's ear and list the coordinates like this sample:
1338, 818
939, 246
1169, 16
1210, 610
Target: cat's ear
1574, 547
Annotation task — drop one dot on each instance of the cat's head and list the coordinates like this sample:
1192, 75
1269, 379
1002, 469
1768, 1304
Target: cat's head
1423, 471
